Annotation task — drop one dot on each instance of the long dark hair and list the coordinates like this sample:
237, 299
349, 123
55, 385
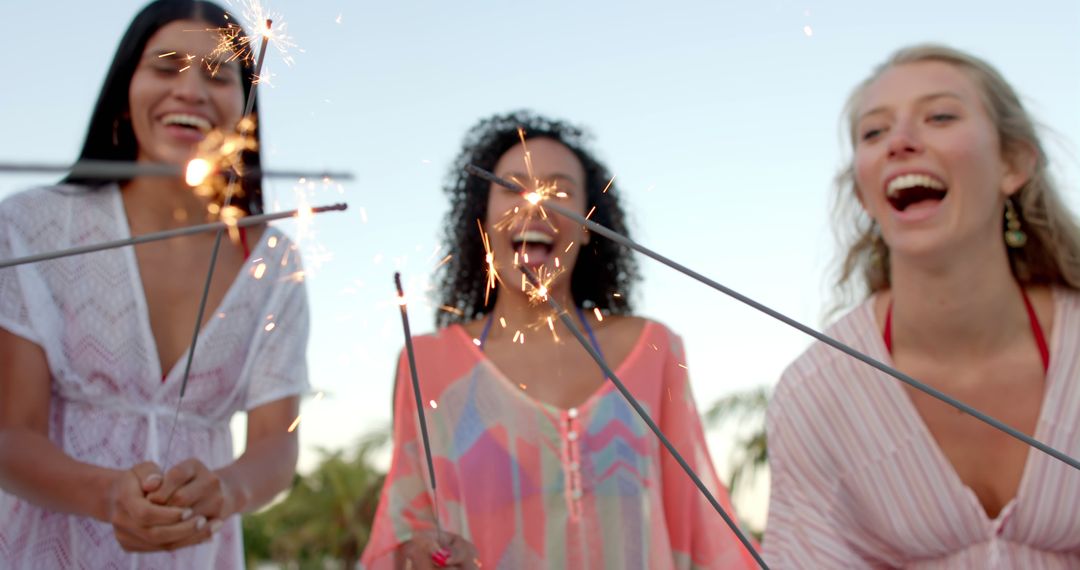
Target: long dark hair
110, 136
605, 272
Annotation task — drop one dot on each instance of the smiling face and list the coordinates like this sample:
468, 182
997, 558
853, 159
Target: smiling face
175, 100
536, 241
928, 161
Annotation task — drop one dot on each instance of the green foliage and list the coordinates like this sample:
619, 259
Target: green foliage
749, 454
325, 520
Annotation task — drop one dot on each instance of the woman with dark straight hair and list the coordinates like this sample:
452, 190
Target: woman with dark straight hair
97, 468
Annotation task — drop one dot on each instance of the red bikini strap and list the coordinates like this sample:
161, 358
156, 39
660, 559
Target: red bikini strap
1036, 330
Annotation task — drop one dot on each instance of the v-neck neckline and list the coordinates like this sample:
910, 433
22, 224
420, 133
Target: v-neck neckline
160, 377
922, 430
603, 389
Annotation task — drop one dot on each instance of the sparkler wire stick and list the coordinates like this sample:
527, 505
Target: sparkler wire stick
419, 399
113, 169
217, 247
821, 337
167, 234
633, 401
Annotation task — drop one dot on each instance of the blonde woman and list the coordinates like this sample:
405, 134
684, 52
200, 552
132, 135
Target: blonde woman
970, 262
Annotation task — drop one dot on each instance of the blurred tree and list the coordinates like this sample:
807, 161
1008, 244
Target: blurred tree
746, 411
325, 521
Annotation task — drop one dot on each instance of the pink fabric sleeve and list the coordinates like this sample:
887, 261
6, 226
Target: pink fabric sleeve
405, 506
14, 312
699, 536
804, 529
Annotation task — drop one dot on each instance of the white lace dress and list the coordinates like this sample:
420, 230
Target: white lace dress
110, 406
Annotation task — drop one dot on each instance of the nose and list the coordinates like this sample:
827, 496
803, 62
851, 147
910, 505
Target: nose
903, 140
190, 85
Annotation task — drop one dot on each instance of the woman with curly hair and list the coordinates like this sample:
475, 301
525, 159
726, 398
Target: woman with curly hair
540, 463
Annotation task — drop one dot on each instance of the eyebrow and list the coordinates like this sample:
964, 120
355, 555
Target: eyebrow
922, 99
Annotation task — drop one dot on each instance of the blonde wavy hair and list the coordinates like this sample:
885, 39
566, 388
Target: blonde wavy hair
1052, 252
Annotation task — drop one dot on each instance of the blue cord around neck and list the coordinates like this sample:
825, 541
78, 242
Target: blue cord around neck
581, 317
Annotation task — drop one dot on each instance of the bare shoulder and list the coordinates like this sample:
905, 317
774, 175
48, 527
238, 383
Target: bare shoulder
619, 328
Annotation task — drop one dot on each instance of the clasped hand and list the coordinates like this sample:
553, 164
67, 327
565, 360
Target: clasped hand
151, 511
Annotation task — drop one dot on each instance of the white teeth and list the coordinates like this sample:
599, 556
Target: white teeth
533, 236
187, 121
905, 181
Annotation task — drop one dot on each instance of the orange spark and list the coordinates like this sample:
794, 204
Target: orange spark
296, 422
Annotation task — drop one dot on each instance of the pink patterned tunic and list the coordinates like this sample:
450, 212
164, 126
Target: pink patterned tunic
110, 406
534, 486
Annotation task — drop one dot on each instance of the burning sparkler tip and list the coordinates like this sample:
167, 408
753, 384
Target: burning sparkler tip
198, 169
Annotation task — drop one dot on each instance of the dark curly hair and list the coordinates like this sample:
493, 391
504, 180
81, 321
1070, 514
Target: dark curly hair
603, 269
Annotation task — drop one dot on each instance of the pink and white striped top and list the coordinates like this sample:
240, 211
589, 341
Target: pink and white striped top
859, 482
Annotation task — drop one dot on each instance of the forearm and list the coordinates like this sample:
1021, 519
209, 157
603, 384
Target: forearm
34, 468
265, 469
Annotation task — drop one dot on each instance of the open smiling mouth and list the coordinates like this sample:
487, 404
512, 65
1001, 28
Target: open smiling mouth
188, 122
908, 190
534, 247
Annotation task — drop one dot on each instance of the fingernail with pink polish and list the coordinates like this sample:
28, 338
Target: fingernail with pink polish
201, 523
215, 526
153, 479
186, 514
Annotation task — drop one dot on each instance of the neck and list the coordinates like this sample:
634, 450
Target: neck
521, 313
155, 204
969, 306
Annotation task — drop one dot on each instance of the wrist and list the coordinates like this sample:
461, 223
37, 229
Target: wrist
235, 498
104, 484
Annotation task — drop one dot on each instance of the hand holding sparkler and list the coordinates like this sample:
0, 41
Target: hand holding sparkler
200, 491
441, 555
139, 524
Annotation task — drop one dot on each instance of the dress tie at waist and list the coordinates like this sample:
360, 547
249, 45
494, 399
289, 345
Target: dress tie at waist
154, 443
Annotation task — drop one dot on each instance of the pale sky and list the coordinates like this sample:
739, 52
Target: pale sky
720, 119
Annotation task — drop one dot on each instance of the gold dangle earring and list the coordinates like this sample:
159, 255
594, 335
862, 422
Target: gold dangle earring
1015, 237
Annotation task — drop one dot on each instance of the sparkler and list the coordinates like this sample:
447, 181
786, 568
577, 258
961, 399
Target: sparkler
821, 337
489, 258
419, 399
610, 374
169, 234
119, 170
244, 124
539, 288
542, 191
